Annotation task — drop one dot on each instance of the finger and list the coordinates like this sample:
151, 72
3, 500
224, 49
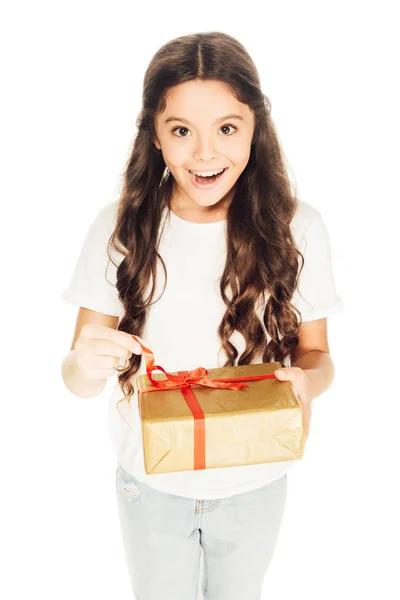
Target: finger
107, 348
296, 393
138, 346
122, 364
281, 374
120, 338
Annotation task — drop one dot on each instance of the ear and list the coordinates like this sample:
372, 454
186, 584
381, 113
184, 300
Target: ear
157, 144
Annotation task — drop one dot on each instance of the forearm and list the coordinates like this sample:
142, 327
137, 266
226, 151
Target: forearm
319, 369
76, 383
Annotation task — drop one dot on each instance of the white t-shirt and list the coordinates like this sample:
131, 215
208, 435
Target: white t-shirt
181, 327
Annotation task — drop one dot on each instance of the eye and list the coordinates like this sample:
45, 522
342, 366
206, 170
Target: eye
180, 128
186, 129
233, 127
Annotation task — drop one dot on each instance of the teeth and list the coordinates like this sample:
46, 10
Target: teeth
206, 173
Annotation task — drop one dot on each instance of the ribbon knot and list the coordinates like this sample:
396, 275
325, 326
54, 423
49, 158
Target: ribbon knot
198, 376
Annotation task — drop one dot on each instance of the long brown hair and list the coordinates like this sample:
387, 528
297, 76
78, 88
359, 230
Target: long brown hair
262, 257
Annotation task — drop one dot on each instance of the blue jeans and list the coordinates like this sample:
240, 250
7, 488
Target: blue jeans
163, 535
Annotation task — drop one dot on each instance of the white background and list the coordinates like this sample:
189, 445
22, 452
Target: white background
72, 74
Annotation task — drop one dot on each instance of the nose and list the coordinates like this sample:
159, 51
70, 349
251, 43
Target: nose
205, 150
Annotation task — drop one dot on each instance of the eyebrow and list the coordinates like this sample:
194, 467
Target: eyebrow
233, 116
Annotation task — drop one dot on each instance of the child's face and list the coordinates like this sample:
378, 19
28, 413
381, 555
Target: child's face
204, 143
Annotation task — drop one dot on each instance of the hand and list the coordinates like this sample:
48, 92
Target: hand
301, 387
99, 350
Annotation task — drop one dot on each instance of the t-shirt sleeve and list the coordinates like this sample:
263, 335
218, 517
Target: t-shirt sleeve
316, 296
92, 284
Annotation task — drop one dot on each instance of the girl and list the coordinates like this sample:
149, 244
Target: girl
211, 260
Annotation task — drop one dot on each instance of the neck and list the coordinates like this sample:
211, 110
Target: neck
191, 211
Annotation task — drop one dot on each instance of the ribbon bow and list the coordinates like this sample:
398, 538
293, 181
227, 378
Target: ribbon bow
198, 376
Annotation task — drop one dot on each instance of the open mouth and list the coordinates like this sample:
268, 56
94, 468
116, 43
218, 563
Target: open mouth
206, 182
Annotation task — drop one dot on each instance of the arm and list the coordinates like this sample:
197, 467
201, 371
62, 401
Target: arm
312, 370
319, 369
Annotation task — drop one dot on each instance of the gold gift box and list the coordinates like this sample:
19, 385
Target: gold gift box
258, 424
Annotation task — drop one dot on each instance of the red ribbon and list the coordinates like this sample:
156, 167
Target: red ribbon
185, 380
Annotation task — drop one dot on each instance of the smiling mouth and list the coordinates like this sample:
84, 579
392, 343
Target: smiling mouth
206, 180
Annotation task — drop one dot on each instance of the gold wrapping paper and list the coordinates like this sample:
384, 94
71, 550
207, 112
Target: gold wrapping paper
258, 424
